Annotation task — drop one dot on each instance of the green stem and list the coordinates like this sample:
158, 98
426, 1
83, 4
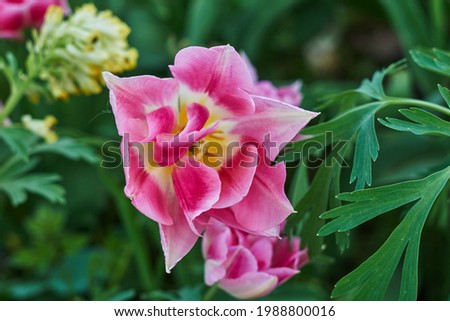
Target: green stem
209, 295
11, 103
128, 215
419, 103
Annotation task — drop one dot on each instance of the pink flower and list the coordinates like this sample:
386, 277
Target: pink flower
249, 266
199, 145
289, 94
16, 15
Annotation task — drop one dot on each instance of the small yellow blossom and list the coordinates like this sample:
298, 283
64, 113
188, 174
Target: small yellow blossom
75, 51
41, 127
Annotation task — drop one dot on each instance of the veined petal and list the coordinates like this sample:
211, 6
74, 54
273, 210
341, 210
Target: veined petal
237, 176
227, 217
177, 239
267, 191
218, 71
250, 285
132, 98
147, 189
274, 123
197, 187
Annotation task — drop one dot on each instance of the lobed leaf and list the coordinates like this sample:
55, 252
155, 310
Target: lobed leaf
423, 123
370, 280
69, 148
18, 140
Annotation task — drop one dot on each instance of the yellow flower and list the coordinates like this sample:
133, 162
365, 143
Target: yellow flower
41, 127
75, 51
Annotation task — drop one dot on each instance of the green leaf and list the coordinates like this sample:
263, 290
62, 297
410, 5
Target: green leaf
314, 202
356, 122
16, 182
18, 140
424, 123
366, 151
299, 184
445, 93
202, 15
39, 184
435, 60
374, 87
70, 148
370, 280
124, 295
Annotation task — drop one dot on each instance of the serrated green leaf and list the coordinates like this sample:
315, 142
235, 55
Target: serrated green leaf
374, 87
424, 123
43, 185
18, 140
445, 93
370, 280
355, 122
69, 148
16, 182
366, 151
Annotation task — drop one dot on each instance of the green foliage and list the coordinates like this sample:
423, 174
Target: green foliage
436, 60
16, 181
370, 280
424, 123
18, 140
69, 148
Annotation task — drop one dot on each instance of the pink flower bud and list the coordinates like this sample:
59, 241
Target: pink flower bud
249, 266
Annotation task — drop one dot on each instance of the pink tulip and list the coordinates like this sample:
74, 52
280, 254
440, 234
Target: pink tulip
16, 15
180, 169
249, 266
289, 94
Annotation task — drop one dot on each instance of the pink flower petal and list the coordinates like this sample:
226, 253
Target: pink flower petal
242, 261
214, 271
249, 286
134, 97
237, 176
227, 216
161, 120
177, 239
262, 249
216, 241
274, 123
284, 251
220, 72
282, 273
147, 189
267, 191
197, 117
197, 187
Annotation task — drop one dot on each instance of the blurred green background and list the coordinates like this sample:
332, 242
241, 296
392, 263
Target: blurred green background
81, 250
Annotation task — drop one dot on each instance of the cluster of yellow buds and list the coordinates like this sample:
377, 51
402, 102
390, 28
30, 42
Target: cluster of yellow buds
74, 52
